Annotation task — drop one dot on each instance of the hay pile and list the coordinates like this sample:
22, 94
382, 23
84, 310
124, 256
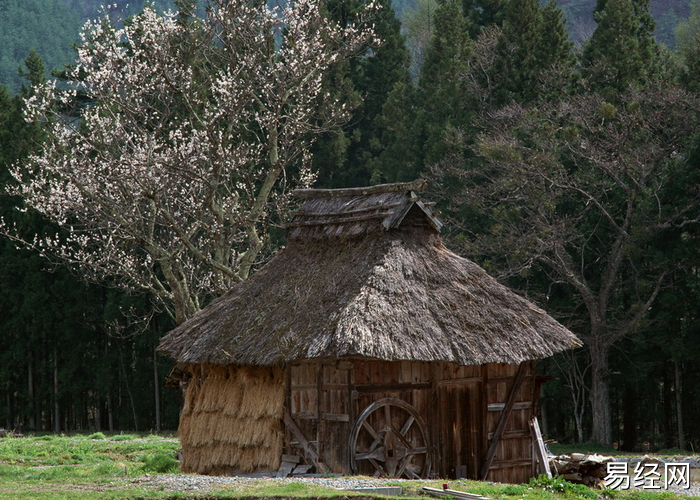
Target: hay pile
231, 419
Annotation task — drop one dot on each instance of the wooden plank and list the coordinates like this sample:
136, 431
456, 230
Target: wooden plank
453, 493
319, 410
539, 447
301, 469
308, 448
291, 458
336, 417
305, 415
523, 405
372, 388
513, 434
504, 464
500, 427
460, 381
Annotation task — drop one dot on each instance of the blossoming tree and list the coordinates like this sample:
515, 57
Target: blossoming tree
193, 132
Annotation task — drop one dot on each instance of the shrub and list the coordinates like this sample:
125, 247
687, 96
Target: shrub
558, 485
97, 435
514, 490
160, 463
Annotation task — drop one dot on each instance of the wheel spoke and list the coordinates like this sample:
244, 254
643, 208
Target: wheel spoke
407, 425
387, 415
366, 426
380, 469
377, 454
413, 471
403, 440
404, 463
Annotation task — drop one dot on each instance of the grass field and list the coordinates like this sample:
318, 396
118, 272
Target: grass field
96, 466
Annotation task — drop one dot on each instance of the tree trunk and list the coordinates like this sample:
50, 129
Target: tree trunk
156, 384
8, 418
56, 406
98, 413
679, 408
32, 399
600, 396
629, 418
110, 412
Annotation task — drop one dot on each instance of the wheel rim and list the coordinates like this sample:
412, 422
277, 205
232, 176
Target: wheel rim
390, 436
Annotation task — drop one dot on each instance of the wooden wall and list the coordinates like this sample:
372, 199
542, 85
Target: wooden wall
460, 406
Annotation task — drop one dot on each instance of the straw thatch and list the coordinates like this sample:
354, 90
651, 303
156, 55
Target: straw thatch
231, 419
365, 274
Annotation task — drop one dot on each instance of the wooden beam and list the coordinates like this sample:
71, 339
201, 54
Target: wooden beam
510, 403
418, 185
540, 452
310, 451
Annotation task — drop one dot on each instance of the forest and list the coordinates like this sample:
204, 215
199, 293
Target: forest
560, 142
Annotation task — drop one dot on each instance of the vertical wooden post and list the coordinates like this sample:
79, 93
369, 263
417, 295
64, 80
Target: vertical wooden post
287, 407
319, 408
507, 410
435, 421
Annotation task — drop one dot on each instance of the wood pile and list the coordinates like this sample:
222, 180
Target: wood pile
581, 468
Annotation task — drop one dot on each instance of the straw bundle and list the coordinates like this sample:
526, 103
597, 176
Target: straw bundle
231, 420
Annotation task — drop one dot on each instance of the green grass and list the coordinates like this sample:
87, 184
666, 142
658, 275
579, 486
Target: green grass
99, 466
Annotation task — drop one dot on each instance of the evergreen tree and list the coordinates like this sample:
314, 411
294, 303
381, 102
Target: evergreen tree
484, 13
622, 50
531, 58
445, 101
688, 46
349, 157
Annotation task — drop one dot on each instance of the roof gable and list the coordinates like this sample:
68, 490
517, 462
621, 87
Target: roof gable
328, 213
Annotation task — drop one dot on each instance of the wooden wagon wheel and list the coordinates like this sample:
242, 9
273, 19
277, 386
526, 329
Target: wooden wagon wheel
390, 435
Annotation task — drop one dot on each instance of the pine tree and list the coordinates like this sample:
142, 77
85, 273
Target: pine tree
446, 103
532, 57
688, 43
622, 50
348, 158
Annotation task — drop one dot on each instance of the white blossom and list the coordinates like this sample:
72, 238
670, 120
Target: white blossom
169, 179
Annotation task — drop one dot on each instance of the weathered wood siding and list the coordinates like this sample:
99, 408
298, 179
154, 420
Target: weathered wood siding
460, 406
513, 462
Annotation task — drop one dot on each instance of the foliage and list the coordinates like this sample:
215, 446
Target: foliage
559, 485
688, 41
184, 155
348, 157
579, 190
47, 26
160, 464
622, 50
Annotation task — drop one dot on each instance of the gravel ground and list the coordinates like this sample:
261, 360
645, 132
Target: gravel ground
208, 484
191, 483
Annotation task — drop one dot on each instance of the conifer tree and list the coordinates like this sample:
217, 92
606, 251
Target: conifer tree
688, 46
622, 50
446, 104
532, 56
348, 157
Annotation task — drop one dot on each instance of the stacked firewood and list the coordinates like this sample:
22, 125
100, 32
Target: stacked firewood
581, 468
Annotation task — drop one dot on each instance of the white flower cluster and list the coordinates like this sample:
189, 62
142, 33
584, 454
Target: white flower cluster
168, 176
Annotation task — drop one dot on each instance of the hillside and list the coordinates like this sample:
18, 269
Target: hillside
51, 26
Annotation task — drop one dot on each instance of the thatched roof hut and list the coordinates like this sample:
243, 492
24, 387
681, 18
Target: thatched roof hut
364, 283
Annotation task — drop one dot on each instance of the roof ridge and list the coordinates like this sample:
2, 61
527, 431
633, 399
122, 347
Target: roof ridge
417, 185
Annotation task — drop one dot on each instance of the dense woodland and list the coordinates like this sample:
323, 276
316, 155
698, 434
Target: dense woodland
563, 160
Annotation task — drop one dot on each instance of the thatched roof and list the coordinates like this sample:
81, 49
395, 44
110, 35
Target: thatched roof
365, 274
